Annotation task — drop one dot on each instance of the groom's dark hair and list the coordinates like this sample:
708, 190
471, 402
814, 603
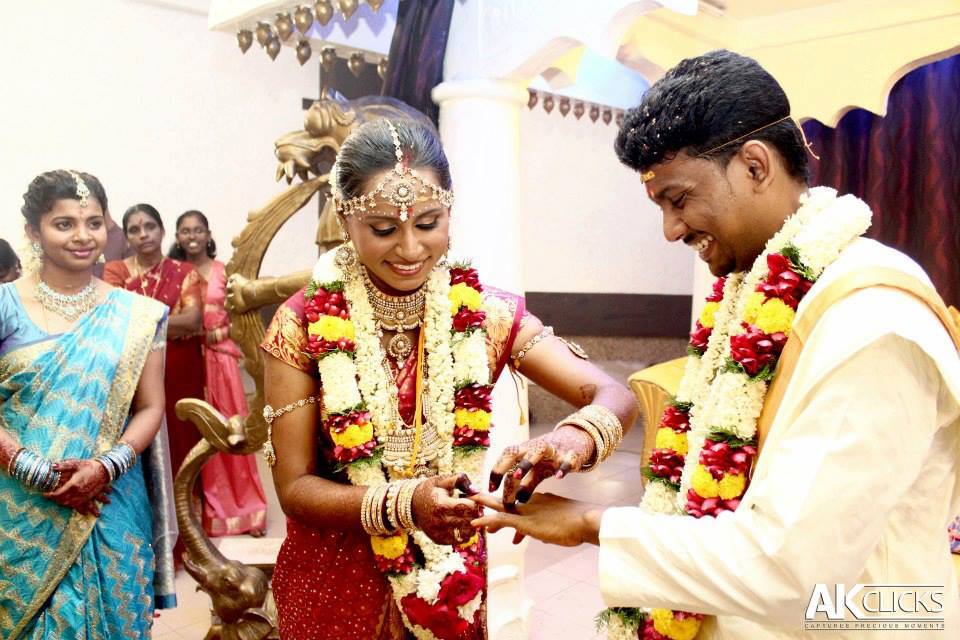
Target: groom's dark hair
711, 105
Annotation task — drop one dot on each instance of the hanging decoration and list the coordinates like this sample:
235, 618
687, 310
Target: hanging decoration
284, 25
304, 51
273, 48
264, 33
375, 4
303, 18
532, 100
348, 8
328, 59
244, 39
578, 110
323, 11
356, 64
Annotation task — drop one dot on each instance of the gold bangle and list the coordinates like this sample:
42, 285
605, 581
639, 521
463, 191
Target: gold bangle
531, 343
405, 504
598, 441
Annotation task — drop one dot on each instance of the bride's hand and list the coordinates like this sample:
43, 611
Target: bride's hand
83, 485
442, 516
555, 454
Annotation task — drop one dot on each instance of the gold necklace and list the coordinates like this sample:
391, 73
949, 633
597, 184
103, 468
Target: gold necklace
67, 306
396, 313
142, 276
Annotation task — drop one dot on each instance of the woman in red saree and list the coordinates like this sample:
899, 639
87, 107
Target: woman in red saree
180, 287
378, 389
234, 502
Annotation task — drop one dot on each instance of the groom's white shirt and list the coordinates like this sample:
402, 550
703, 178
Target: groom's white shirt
856, 482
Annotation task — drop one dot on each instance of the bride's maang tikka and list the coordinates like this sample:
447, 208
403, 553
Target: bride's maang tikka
83, 192
400, 188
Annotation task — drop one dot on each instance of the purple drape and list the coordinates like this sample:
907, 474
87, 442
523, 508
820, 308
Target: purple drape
416, 53
906, 166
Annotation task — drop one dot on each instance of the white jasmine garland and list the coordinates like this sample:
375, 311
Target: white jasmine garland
338, 376
470, 358
731, 402
467, 611
347, 382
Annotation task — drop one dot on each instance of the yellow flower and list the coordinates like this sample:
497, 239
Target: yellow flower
708, 313
732, 486
752, 309
332, 328
476, 420
703, 483
473, 540
775, 316
667, 438
463, 295
391, 547
353, 436
666, 624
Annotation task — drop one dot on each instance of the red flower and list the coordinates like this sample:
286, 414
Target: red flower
649, 632
676, 419
720, 458
342, 422
697, 506
466, 319
755, 349
317, 346
459, 588
783, 282
717, 294
666, 463
466, 275
699, 337
464, 437
402, 564
346, 456
474, 397
439, 619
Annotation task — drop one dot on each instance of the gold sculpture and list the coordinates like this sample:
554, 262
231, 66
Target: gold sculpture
242, 603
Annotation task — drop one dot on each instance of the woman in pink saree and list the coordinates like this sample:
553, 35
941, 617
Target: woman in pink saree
234, 499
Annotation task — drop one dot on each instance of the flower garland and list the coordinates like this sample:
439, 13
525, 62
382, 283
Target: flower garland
438, 588
706, 440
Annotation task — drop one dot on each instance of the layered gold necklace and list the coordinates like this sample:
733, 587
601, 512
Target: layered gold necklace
396, 313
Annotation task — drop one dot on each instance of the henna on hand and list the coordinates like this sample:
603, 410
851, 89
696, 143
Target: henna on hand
81, 483
444, 518
554, 454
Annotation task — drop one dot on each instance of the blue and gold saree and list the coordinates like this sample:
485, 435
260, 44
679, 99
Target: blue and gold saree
66, 575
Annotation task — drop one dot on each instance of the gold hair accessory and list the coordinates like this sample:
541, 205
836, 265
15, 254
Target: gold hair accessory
83, 192
400, 188
806, 144
646, 176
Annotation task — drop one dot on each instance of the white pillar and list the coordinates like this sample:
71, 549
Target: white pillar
702, 286
480, 129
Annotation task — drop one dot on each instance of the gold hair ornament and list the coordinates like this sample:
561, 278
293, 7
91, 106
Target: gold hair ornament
806, 144
83, 192
400, 188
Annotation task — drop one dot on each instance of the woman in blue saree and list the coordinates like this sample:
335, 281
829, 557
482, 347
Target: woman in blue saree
81, 399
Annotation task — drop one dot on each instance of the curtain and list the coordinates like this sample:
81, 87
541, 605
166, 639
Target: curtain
906, 166
416, 53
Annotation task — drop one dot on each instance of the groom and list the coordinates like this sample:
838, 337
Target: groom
851, 452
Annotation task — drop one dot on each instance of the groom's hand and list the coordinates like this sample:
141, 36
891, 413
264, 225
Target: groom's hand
546, 517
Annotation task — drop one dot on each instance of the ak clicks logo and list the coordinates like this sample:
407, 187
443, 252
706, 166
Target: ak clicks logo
875, 606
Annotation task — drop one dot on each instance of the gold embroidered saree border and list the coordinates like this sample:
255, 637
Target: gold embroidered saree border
140, 333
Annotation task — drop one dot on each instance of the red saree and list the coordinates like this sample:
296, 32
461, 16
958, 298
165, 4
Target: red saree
234, 502
177, 285
325, 583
